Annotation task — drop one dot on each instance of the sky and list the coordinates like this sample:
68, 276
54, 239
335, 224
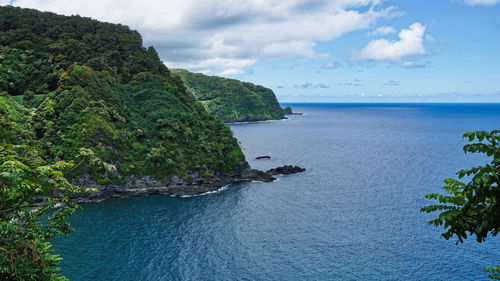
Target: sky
320, 50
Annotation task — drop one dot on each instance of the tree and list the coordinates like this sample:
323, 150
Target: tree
472, 209
28, 98
35, 201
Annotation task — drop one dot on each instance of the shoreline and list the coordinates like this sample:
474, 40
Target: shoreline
175, 186
253, 121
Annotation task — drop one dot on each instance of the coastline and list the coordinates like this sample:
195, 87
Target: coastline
232, 122
175, 186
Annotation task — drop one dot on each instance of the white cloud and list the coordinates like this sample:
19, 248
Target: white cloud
330, 65
228, 36
383, 30
309, 85
413, 64
480, 2
4, 2
408, 63
410, 43
227, 66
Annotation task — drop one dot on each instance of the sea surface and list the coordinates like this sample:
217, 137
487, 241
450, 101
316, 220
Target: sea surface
353, 215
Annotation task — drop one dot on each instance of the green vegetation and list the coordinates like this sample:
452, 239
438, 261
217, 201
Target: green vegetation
472, 209
14, 121
288, 110
231, 100
31, 188
73, 82
35, 48
180, 134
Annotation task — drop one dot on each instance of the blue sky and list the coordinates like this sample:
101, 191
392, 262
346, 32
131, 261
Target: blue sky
322, 51
461, 63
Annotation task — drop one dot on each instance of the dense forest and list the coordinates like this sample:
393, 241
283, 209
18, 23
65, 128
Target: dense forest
231, 100
78, 98
37, 47
72, 82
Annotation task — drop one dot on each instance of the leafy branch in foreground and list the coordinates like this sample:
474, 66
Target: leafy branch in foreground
494, 272
472, 209
35, 201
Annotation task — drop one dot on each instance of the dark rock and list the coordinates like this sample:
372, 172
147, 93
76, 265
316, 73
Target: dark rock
249, 120
285, 170
287, 110
176, 186
256, 175
263, 157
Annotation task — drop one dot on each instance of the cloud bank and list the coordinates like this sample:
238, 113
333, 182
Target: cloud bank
229, 36
410, 43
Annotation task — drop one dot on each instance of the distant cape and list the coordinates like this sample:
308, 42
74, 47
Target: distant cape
231, 100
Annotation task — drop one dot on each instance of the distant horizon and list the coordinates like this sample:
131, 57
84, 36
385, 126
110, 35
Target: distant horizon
388, 102
395, 102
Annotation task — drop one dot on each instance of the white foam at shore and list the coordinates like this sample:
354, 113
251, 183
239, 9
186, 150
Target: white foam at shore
215, 191
208, 192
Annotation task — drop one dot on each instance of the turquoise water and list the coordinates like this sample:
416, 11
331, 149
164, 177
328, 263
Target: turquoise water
353, 215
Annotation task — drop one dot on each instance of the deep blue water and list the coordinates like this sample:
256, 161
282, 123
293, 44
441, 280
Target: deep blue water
353, 215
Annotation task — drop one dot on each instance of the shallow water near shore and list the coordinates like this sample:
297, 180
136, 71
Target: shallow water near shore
353, 215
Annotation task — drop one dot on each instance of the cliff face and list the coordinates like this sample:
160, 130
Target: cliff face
73, 82
231, 100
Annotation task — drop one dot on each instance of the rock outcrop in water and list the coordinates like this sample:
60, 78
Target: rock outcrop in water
288, 111
262, 157
285, 170
193, 185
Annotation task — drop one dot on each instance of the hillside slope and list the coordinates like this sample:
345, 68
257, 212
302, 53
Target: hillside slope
231, 100
84, 83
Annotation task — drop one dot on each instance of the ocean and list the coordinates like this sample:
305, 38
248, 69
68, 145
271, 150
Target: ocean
353, 215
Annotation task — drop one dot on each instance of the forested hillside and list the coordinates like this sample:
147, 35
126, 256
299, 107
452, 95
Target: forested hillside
37, 47
232, 100
73, 82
